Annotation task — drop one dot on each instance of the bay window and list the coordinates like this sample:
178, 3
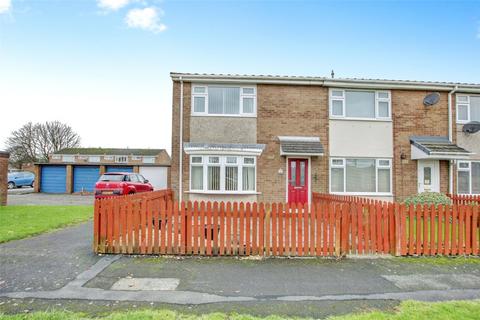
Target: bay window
360, 104
367, 176
468, 108
468, 177
222, 100
223, 174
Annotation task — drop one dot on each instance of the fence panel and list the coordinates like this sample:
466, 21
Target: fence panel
331, 226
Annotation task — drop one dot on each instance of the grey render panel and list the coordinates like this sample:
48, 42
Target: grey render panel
223, 129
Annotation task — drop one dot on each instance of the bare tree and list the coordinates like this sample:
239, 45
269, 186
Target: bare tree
54, 136
34, 142
22, 145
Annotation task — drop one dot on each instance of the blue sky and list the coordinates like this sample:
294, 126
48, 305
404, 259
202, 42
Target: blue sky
95, 63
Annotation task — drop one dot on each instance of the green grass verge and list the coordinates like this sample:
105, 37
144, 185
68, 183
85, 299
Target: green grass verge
408, 310
439, 260
17, 222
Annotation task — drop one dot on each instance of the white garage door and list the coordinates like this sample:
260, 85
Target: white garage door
156, 175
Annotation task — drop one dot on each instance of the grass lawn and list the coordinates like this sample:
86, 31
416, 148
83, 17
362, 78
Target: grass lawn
17, 222
408, 310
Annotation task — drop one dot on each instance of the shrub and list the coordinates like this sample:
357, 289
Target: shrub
435, 198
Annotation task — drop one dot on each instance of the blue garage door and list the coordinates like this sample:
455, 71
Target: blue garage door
84, 178
119, 169
53, 179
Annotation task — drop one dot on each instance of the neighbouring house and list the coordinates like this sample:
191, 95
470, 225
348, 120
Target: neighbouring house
76, 170
4, 156
274, 138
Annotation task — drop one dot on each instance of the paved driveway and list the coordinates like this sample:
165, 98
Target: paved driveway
19, 198
58, 270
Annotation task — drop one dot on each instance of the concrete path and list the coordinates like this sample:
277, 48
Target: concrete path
45, 199
76, 290
60, 267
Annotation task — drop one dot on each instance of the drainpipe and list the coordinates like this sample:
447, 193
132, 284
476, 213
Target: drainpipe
180, 162
450, 137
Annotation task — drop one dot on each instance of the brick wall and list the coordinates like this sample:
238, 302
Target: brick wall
3, 177
279, 109
176, 137
287, 110
411, 117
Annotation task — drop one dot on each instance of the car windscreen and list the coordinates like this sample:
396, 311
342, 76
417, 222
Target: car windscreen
112, 177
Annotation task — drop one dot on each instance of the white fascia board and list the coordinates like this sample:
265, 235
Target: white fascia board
298, 139
216, 151
302, 154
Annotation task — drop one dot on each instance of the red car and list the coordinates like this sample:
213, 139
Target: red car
121, 183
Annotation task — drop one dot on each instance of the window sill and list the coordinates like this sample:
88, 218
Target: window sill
361, 119
224, 193
364, 194
224, 115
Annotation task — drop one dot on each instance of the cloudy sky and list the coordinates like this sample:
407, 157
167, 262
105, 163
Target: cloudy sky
103, 66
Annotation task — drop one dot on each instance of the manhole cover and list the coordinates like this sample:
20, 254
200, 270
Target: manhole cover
146, 284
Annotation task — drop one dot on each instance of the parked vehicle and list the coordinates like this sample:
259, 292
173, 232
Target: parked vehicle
20, 179
121, 183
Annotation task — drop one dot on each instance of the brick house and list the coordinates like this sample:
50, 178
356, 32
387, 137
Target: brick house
272, 138
74, 170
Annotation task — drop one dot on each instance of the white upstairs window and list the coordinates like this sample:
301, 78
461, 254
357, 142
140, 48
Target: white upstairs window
94, 159
360, 104
223, 100
468, 108
68, 158
148, 159
121, 159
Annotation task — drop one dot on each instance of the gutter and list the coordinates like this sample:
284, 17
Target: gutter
323, 81
180, 162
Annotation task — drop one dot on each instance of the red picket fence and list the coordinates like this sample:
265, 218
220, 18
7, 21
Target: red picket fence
115, 214
332, 226
464, 199
441, 230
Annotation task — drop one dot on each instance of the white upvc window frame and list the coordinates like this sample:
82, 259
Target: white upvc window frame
119, 159
343, 166
205, 164
56, 157
94, 159
136, 158
470, 176
68, 158
148, 159
242, 96
464, 103
343, 100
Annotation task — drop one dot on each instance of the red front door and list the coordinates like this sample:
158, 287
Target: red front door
297, 180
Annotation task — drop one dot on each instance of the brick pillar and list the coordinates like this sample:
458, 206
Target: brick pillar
136, 169
3, 177
38, 177
69, 178
102, 169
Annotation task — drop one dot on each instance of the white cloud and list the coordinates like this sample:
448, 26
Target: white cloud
5, 6
112, 4
147, 19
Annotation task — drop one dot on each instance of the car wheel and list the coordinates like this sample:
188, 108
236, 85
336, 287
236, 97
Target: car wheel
11, 185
